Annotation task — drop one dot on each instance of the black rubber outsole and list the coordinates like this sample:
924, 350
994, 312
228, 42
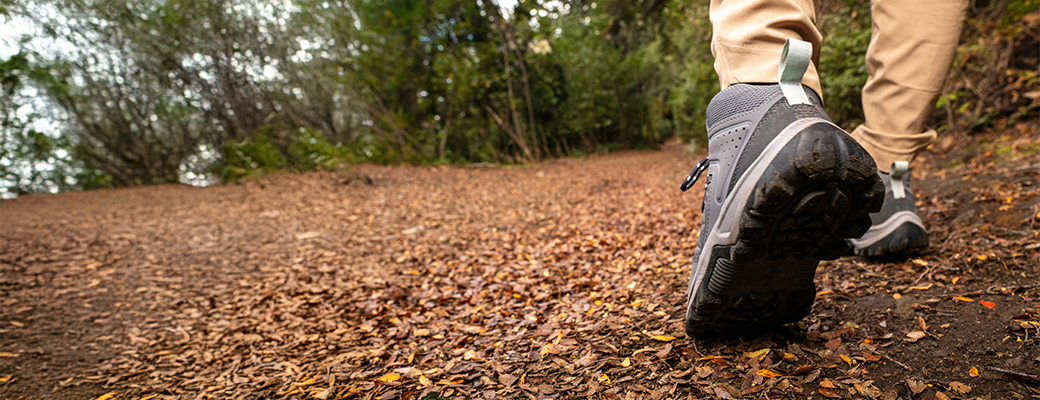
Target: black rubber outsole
819, 190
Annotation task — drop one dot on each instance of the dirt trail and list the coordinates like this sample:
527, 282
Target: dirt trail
560, 280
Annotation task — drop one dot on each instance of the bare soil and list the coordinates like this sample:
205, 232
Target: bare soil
562, 280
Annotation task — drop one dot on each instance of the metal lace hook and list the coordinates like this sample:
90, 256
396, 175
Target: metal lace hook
696, 173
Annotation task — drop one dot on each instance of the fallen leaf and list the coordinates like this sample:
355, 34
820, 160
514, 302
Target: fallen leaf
722, 393
973, 371
5, 354
828, 384
925, 287
760, 354
867, 389
307, 235
663, 338
916, 386
960, 387
627, 363
831, 393
846, 359
6, 378
962, 298
988, 304
149, 397
390, 377
921, 324
915, 336
790, 357
897, 296
106, 396
423, 380
603, 378
768, 374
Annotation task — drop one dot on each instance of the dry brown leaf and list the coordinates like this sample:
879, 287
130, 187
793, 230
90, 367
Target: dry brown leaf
830, 393
960, 387
921, 324
916, 386
915, 336
867, 389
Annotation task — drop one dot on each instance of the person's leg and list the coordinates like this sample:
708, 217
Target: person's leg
911, 48
749, 35
784, 187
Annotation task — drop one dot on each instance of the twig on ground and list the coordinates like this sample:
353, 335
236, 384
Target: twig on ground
906, 367
1025, 376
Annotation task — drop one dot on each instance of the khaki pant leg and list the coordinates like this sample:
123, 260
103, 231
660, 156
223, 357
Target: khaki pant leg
749, 35
912, 45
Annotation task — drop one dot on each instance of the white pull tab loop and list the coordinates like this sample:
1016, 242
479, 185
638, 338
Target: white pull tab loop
794, 61
897, 172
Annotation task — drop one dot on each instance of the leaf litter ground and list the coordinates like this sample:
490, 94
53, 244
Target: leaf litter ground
560, 280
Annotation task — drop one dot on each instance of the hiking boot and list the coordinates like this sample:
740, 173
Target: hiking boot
896, 229
785, 188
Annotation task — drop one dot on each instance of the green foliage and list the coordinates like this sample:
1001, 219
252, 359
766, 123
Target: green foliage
271, 149
845, 26
31, 161
157, 90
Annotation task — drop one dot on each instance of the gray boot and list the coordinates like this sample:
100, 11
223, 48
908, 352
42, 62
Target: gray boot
896, 229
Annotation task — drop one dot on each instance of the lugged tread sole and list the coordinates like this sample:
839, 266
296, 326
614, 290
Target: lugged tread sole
819, 190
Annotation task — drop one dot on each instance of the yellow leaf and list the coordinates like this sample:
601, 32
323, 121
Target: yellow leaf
6, 354
846, 359
760, 354
920, 262
897, 296
6, 378
790, 357
604, 378
663, 338
307, 382
150, 397
926, 287
955, 280
423, 380
106, 396
962, 298
767, 373
982, 257
390, 377
627, 363
973, 371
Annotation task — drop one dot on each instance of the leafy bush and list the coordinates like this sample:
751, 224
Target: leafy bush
269, 150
